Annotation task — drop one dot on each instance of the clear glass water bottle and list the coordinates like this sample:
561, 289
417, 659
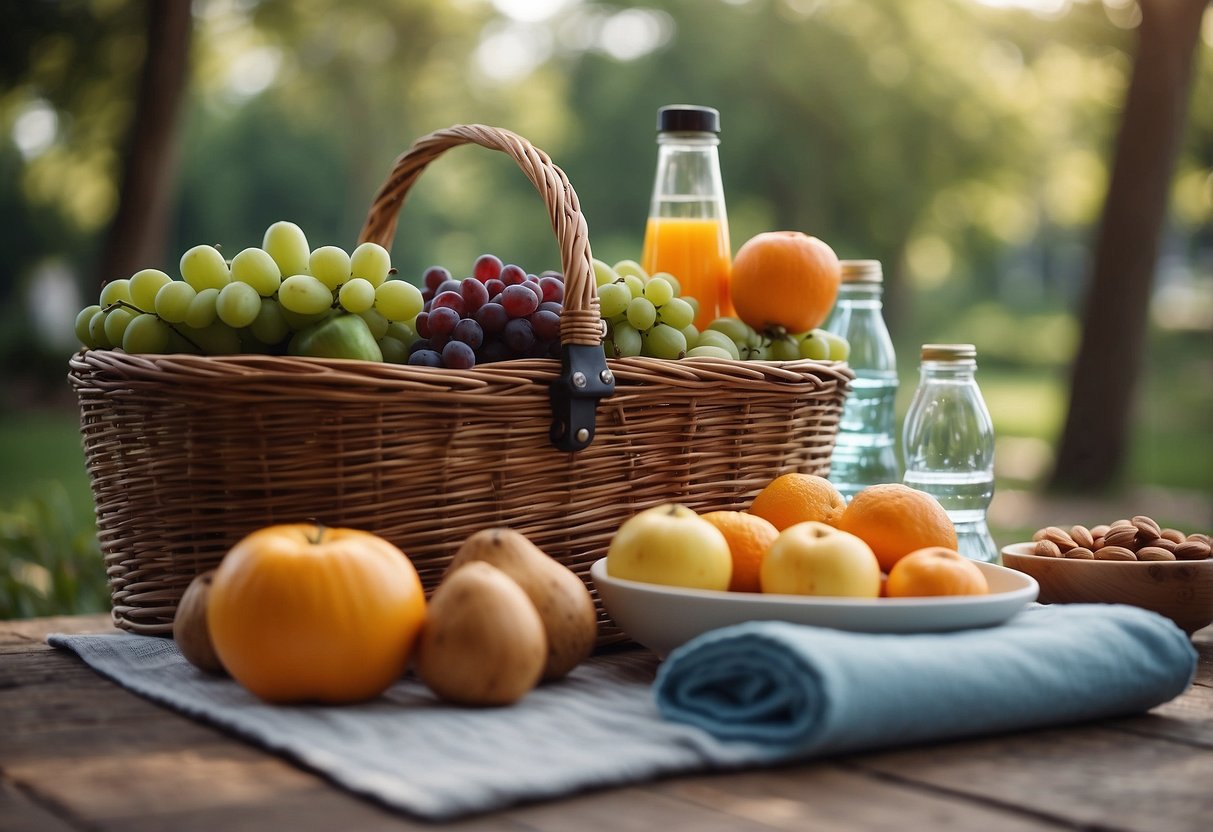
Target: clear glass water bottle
948, 442
687, 233
864, 452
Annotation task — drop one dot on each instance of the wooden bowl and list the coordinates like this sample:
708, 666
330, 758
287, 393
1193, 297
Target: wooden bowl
1182, 590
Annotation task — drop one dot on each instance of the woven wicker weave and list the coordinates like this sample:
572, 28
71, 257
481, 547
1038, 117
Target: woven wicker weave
187, 454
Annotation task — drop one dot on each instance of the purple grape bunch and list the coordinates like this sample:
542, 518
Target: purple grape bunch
499, 312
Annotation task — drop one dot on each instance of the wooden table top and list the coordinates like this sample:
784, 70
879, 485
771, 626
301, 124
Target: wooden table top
78, 752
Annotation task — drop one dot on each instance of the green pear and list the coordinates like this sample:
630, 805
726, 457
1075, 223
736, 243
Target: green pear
341, 336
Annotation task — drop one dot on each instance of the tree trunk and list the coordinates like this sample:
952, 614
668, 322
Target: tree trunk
140, 229
1106, 370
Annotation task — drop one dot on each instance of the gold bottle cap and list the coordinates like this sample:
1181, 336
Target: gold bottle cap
861, 271
949, 352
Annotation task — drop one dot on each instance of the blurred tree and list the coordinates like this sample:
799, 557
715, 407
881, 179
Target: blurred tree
67, 74
139, 231
1106, 371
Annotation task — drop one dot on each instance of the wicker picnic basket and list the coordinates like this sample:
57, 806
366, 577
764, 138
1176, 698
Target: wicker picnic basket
187, 454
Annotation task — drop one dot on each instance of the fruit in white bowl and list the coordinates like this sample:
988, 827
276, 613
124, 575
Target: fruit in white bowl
671, 545
813, 558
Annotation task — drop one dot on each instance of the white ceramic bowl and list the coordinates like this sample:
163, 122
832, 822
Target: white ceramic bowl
663, 617
1182, 590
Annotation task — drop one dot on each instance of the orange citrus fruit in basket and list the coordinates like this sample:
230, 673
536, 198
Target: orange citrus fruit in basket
895, 520
796, 498
749, 537
784, 279
935, 570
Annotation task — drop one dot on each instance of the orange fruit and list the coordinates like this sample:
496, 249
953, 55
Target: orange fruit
797, 498
936, 570
784, 279
749, 537
895, 520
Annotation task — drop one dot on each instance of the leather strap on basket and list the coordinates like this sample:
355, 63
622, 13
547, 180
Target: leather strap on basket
584, 377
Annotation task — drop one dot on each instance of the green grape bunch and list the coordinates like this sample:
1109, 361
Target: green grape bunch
279, 298
644, 313
647, 315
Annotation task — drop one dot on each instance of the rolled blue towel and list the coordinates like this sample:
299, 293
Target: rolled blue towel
794, 691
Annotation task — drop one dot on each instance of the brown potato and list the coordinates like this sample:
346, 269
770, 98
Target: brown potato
190, 630
483, 641
562, 599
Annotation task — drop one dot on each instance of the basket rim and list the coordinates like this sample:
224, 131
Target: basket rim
338, 371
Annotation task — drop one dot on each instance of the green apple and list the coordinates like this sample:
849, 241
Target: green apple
671, 545
341, 336
815, 559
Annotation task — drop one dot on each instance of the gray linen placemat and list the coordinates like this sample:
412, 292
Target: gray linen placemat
598, 727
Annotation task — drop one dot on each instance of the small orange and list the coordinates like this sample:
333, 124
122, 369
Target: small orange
784, 279
749, 537
797, 498
936, 570
895, 520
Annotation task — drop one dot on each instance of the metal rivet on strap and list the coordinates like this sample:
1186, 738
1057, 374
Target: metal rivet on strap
579, 379
606, 376
583, 435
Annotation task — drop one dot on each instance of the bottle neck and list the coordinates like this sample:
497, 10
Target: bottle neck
688, 181
955, 371
861, 293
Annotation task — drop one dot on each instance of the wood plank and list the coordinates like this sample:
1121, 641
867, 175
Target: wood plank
27, 630
825, 797
1204, 670
1188, 719
220, 785
1090, 776
95, 751
20, 814
633, 810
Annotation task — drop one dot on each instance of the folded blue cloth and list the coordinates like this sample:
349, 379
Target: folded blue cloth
796, 691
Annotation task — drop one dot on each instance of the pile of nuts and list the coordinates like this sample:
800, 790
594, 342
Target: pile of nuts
1136, 539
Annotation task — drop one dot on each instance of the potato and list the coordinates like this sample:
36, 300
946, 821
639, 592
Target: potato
190, 630
562, 599
483, 641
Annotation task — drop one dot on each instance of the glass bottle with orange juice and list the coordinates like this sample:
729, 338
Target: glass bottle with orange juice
688, 229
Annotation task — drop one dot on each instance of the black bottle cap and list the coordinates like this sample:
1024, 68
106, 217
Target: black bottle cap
688, 118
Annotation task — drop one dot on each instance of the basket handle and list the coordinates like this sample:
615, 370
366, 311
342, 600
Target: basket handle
580, 322
584, 376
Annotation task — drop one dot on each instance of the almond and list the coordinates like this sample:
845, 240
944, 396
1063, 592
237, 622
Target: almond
1173, 535
1154, 553
1047, 549
1202, 538
1082, 536
1061, 537
1038, 536
1192, 549
1115, 553
1162, 543
1100, 530
1119, 535
1080, 553
1147, 527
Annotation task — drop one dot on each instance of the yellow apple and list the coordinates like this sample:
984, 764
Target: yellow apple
815, 559
671, 545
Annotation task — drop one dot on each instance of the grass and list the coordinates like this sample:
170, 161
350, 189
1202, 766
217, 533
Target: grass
40, 449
